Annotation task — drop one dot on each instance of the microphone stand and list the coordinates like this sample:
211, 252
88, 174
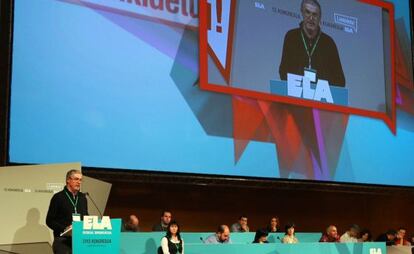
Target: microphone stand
93, 202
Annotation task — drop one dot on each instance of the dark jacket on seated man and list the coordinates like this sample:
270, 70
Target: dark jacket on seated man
159, 227
387, 237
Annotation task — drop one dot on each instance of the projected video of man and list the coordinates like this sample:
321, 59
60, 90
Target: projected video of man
308, 48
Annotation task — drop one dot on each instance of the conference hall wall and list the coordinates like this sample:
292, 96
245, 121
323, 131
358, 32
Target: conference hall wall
117, 85
4, 76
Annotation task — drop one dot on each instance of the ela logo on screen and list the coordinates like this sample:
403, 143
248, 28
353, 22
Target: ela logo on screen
350, 23
259, 5
301, 87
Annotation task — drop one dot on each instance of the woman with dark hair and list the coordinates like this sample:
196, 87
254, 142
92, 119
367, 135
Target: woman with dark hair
365, 236
290, 234
261, 236
273, 225
172, 243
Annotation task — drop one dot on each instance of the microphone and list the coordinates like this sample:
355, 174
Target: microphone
93, 202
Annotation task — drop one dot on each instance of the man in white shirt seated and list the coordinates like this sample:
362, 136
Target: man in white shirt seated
240, 225
350, 236
222, 236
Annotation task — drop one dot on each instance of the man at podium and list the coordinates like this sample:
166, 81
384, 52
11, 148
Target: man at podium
65, 207
308, 48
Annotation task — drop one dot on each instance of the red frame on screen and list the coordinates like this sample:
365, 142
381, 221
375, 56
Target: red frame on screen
206, 50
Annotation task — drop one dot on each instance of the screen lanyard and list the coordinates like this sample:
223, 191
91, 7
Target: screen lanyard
307, 50
74, 204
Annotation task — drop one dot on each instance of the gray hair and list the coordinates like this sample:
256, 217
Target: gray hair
71, 172
313, 2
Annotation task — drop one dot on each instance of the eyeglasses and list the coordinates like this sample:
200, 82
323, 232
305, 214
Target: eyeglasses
309, 14
77, 179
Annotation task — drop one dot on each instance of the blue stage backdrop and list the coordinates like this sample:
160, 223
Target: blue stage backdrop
115, 84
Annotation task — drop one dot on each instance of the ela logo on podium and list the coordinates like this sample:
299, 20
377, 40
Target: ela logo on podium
92, 225
375, 251
95, 235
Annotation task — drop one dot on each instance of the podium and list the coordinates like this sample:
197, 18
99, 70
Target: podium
339, 94
94, 235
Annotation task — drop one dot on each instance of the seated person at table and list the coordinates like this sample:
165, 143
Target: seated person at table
131, 225
241, 225
273, 225
290, 234
172, 243
165, 220
222, 235
350, 236
261, 236
365, 236
400, 237
331, 235
388, 237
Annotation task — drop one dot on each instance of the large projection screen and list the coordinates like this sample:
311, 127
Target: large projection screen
115, 84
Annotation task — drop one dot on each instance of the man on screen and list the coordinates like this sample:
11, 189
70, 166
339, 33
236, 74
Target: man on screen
66, 206
308, 48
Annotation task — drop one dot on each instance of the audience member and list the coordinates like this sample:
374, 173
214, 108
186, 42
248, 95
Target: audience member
350, 236
400, 237
165, 220
241, 225
412, 243
172, 243
132, 224
222, 235
331, 235
261, 236
365, 236
388, 237
290, 234
273, 225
